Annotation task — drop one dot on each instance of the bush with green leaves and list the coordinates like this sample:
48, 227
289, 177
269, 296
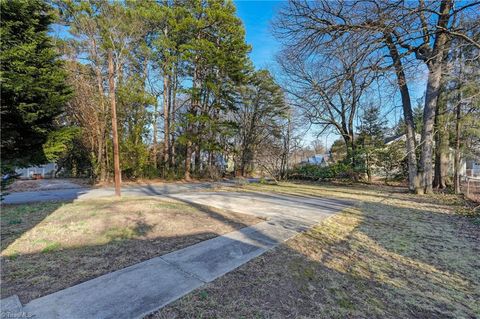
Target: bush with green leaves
316, 172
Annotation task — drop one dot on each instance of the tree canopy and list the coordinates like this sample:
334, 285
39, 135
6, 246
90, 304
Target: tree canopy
33, 87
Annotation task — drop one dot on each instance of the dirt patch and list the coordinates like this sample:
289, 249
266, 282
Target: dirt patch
47, 247
395, 255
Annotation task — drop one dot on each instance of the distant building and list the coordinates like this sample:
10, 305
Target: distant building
468, 167
45, 171
317, 159
471, 168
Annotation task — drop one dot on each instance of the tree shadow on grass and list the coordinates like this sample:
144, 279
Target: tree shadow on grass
367, 262
55, 267
447, 242
211, 212
31, 276
18, 219
425, 202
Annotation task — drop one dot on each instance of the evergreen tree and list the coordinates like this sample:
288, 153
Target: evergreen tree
33, 88
400, 127
217, 62
370, 139
338, 151
259, 116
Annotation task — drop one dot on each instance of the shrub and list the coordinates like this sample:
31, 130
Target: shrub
315, 172
150, 172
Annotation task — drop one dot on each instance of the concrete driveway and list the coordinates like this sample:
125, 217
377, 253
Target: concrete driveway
78, 192
138, 290
301, 209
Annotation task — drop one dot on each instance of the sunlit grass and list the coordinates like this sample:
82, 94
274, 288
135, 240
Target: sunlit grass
85, 223
394, 255
50, 246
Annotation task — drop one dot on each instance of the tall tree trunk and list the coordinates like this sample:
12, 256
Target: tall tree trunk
107, 160
155, 120
286, 153
188, 146
188, 160
367, 161
116, 155
440, 179
197, 158
413, 183
346, 140
243, 162
350, 147
173, 102
100, 169
155, 134
210, 160
426, 168
354, 151
190, 125
456, 174
435, 64
442, 149
166, 118
101, 160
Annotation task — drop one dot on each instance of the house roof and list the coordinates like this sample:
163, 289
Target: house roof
401, 137
316, 159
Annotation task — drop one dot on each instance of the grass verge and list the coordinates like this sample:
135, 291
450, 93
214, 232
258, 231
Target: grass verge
50, 246
394, 255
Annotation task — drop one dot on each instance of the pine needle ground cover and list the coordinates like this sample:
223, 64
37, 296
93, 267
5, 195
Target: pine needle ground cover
47, 247
394, 255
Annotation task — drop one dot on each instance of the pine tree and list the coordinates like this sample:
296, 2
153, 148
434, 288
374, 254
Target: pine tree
216, 58
33, 87
371, 136
261, 108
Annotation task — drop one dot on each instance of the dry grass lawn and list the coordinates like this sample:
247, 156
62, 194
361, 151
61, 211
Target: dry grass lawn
394, 255
50, 246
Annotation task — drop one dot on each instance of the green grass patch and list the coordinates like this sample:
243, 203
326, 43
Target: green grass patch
51, 248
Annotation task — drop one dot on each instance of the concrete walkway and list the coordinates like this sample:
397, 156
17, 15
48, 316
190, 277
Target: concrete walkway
145, 287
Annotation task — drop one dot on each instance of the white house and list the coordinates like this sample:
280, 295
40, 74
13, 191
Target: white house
46, 171
471, 168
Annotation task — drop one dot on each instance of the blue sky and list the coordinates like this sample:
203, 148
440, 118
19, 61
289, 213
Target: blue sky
257, 16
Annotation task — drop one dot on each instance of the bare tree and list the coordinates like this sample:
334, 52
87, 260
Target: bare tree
308, 26
260, 113
318, 147
329, 87
398, 30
